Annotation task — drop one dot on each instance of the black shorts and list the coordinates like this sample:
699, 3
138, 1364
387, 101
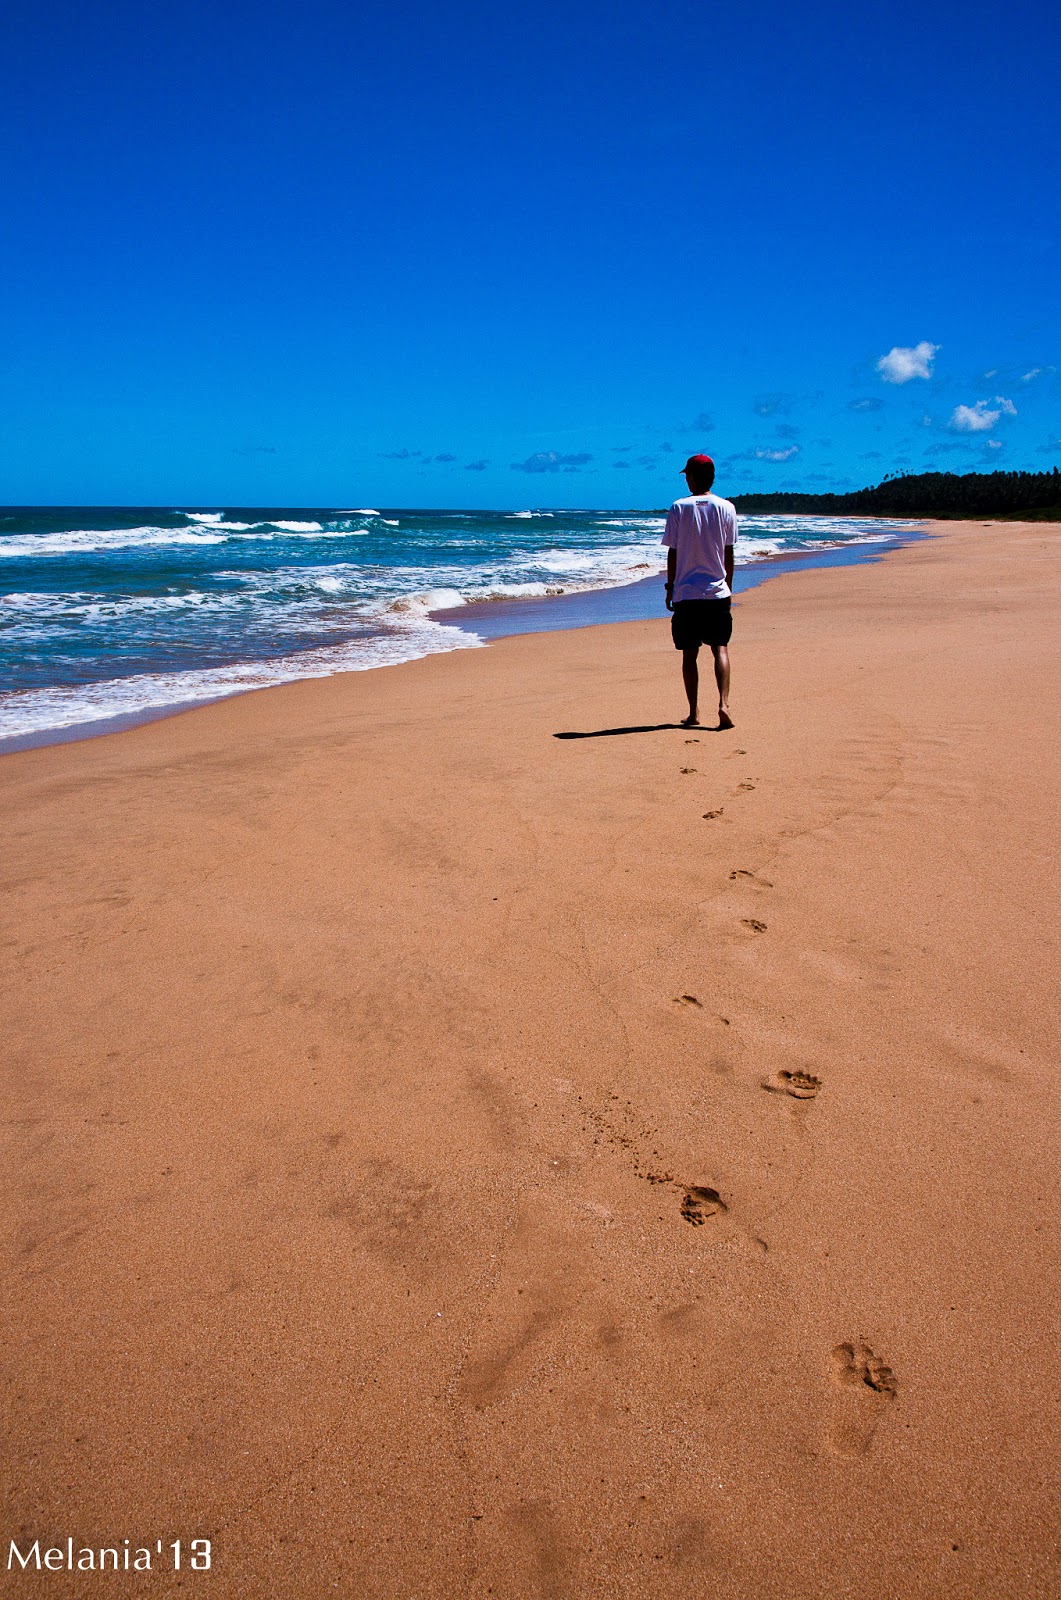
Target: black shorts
697, 622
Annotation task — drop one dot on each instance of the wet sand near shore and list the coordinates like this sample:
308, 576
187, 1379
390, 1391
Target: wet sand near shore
445, 1159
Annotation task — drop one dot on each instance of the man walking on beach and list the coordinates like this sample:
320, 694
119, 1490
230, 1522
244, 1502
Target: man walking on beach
699, 537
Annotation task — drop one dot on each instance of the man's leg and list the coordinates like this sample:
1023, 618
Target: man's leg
691, 676
721, 655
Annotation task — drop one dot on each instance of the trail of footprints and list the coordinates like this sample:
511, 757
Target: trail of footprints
865, 1384
619, 1127
742, 788
739, 874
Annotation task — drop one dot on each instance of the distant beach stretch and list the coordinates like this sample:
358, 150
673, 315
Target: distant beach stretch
471, 1137
106, 612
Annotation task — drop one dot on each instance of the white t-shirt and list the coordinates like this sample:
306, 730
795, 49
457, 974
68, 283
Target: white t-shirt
699, 527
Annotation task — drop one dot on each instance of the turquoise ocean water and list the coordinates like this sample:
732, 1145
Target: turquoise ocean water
107, 612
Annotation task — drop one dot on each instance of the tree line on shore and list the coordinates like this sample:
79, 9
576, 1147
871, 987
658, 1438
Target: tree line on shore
1034, 495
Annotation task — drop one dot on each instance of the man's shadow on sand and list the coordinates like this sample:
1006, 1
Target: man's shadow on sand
648, 727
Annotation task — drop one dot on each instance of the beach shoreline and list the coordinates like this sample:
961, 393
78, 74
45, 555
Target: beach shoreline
497, 619
446, 1158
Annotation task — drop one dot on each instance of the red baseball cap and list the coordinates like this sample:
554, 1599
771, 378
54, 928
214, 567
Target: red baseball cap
698, 464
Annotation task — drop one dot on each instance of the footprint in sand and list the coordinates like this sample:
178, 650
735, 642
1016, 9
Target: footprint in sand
754, 924
800, 1085
709, 816
746, 787
750, 877
687, 770
692, 741
868, 1388
698, 1204
688, 1000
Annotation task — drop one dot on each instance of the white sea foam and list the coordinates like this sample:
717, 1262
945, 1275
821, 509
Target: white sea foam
90, 541
80, 607
519, 575
755, 545
425, 601
85, 541
217, 524
511, 591
37, 710
313, 530
846, 530
631, 522
612, 562
216, 519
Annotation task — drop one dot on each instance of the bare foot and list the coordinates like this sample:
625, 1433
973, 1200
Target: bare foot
724, 718
691, 721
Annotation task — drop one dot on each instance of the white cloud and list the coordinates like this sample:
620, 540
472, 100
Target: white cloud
973, 419
1028, 376
994, 444
980, 418
904, 362
777, 455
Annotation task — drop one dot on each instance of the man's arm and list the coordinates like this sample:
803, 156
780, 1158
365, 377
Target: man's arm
672, 567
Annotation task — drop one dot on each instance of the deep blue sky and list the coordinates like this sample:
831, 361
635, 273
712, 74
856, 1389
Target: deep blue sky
294, 254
